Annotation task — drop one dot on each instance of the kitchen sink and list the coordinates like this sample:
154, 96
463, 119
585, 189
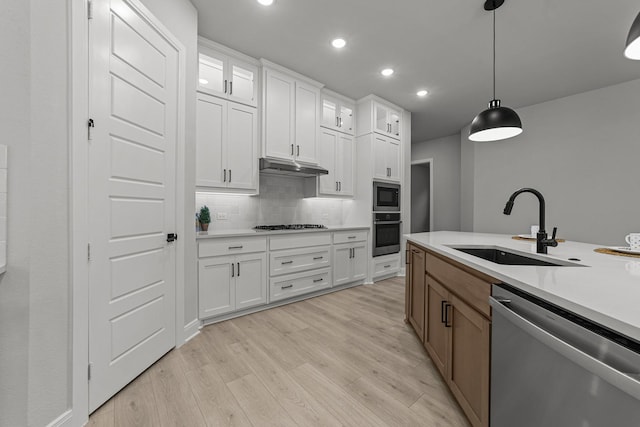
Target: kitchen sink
505, 257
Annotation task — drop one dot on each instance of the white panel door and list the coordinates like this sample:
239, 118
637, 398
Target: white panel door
210, 136
341, 265
132, 173
216, 295
307, 122
380, 169
393, 159
327, 158
359, 261
243, 86
251, 280
279, 115
344, 164
241, 147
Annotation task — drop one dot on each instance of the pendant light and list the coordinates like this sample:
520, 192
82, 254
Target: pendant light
632, 51
496, 122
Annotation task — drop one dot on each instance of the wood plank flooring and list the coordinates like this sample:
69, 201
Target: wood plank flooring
342, 359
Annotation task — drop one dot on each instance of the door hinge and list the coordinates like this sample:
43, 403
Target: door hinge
90, 126
89, 372
89, 9
88, 251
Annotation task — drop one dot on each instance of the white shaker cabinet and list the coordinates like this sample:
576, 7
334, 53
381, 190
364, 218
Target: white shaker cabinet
338, 113
376, 115
291, 117
227, 77
226, 145
386, 158
350, 257
336, 153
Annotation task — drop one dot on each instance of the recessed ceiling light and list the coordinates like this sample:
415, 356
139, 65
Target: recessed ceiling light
265, 2
386, 72
422, 93
203, 81
339, 43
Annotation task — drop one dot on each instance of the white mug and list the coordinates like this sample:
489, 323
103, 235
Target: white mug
633, 240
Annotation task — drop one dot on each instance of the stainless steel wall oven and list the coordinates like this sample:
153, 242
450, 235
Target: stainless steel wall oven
387, 229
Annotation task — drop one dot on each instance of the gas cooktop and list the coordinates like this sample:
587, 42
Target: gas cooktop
288, 227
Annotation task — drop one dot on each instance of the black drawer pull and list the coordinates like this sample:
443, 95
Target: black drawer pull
318, 280
387, 266
235, 247
287, 287
351, 237
317, 258
286, 262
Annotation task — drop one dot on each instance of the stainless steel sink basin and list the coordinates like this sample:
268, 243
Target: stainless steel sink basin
505, 257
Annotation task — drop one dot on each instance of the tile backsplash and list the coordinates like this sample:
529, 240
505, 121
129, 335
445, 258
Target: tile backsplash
281, 201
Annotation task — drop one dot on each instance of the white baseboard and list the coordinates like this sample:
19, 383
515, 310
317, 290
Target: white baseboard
64, 420
192, 329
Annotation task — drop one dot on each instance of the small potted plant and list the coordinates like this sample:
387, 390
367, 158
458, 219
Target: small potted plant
204, 217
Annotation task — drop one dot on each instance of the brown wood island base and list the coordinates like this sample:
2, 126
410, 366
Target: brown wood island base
447, 304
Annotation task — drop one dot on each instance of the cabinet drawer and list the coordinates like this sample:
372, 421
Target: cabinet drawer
349, 236
386, 265
298, 284
295, 260
469, 287
232, 246
302, 240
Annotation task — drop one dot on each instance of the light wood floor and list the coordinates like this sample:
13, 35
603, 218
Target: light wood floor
346, 358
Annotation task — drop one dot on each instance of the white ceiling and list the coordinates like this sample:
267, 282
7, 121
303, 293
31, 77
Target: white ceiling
546, 49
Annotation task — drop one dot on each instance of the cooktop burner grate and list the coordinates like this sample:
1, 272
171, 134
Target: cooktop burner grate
288, 227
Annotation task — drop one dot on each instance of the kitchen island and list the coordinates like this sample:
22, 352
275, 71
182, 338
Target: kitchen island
448, 292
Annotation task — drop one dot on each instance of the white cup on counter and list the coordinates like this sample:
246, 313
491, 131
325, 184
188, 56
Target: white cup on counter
534, 230
633, 240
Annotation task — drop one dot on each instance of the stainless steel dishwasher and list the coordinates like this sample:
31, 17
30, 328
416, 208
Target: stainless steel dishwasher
552, 368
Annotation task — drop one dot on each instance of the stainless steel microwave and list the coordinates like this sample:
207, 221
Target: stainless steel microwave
386, 197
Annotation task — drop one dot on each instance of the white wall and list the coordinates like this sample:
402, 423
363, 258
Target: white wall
445, 153
581, 152
14, 284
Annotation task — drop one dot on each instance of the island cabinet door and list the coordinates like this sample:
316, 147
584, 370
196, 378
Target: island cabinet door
468, 371
417, 291
436, 337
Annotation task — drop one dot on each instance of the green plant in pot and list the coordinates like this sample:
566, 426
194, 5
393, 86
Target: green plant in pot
204, 217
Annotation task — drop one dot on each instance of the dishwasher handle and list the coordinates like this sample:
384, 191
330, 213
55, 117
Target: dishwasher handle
623, 381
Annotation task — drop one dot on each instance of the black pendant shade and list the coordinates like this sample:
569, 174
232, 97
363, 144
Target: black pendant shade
632, 51
496, 122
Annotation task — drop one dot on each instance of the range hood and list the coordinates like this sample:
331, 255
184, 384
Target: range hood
289, 167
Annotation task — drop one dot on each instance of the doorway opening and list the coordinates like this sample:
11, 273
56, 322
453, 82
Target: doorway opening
422, 196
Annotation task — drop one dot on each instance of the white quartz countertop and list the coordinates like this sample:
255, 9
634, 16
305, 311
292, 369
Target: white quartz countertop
606, 290
244, 232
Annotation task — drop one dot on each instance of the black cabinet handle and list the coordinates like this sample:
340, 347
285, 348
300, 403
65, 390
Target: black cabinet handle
230, 88
406, 257
292, 149
286, 287
286, 262
224, 179
238, 269
225, 86
233, 274
317, 258
318, 280
298, 152
229, 175
446, 315
442, 318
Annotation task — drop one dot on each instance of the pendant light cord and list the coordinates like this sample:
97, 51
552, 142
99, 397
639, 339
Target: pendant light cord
494, 52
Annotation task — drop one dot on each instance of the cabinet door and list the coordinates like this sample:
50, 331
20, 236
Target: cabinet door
395, 123
241, 147
211, 119
359, 262
216, 295
211, 74
344, 165
251, 280
380, 169
468, 372
243, 85
380, 118
328, 184
393, 159
435, 332
307, 122
346, 122
341, 264
330, 113
417, 291
279, 115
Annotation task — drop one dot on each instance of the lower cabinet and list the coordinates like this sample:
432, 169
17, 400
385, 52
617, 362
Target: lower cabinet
349, 262
231, 283
296, 284
456, 326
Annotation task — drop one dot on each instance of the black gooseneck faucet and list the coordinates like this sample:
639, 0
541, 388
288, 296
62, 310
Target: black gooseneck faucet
541, 238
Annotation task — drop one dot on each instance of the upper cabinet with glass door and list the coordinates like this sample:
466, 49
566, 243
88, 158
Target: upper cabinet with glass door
338, 112
376, 115
222, 73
